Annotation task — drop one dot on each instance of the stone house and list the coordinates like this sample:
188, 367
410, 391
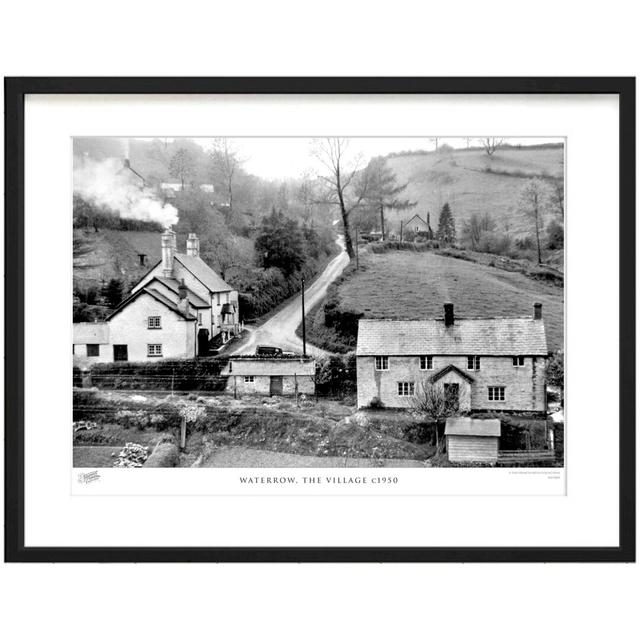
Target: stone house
174, 311
483, 364
270, 375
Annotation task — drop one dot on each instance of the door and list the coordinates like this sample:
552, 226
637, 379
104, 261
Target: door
203, 342
120, 353
452, 395
275, 387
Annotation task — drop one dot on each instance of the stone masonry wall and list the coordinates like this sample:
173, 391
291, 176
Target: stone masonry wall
525, 387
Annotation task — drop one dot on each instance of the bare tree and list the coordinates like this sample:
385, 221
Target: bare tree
226, 163
491, 145
476, 227
556, 198
182, 166
533, 199
435, 403
341, 188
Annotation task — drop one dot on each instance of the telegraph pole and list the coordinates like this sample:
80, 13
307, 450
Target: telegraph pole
357, 258
304, 326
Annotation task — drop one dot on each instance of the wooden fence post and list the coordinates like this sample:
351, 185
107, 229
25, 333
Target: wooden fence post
183, 433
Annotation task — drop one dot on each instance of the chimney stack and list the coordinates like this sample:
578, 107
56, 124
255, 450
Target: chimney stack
183, 300
537, 311
168, 251
193, 246
448, 314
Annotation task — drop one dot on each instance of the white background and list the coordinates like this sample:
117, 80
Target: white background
319, 601
488, 507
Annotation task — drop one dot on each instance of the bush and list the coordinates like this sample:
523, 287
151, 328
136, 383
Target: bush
165, 454
376, 403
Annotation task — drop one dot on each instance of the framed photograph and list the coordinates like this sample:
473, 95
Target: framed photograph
320, 319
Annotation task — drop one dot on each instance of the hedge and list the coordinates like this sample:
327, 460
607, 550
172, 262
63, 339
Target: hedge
178, 375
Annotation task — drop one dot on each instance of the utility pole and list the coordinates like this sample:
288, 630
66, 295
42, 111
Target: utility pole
304, 326
357, 257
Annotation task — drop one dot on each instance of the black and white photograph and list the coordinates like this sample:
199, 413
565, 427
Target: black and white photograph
318, 302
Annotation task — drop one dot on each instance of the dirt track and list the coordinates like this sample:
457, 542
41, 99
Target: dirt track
280, 330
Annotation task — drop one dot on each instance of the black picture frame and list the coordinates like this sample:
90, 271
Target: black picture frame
15, 91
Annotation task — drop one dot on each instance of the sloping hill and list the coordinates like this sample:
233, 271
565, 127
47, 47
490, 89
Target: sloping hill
473, 182
116, 254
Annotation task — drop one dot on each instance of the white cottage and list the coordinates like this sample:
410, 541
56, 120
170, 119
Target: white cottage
173, 312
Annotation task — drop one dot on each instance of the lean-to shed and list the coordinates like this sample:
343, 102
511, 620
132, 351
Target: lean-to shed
472, 439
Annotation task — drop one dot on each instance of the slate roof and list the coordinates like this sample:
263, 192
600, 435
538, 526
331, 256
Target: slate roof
90, 333
203, 272
154, 293
467, 336
472, 427
172, 284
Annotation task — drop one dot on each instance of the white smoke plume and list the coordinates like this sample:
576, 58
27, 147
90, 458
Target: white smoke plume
108, 183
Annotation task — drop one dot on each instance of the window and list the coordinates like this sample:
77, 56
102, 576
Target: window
154, 350
473, 363
405, 388
518, 361
382, 363
426, 362
218, 298
199, 317
496, 394
153, 322
249, 379
226, 299
93, 350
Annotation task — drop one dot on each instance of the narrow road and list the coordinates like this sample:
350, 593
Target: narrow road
280, 330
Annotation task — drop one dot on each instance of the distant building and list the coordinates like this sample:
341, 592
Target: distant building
420, 227
270, 375
170, 189
173, 312
483, 364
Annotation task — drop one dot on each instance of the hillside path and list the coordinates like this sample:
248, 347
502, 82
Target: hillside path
280, 330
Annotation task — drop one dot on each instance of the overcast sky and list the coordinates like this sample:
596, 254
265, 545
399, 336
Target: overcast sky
291, 157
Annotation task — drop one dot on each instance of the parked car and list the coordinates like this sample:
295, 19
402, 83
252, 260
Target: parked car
265, 350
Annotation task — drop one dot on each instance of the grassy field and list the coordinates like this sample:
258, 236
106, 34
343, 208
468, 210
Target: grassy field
473, 182
412, 285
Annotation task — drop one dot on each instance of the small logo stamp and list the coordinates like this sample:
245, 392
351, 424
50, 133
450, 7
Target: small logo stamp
88, 477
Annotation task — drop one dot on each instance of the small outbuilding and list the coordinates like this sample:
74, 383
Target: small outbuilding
275, 375
472, 439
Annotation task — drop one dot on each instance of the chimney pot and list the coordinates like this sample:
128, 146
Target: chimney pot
448, 314
168, 251
537, 311
193, 245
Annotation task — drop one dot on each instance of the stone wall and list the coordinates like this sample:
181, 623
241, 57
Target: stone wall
525, 387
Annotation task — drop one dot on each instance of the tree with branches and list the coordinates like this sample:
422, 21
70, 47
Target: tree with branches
226, 164
382, 190
343, 186
533, 201
446, 226
182, 166
491, 145
432, 401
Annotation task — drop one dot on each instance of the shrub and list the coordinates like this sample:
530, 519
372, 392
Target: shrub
376, 403
165, 454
